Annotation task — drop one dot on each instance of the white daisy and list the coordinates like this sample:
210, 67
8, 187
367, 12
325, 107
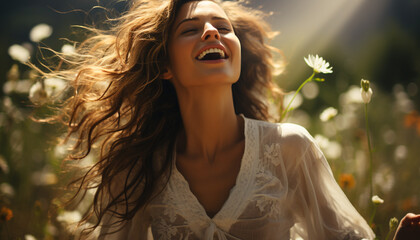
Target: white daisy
29, 237
328, 114
318, 64
19, 53
40, 32
68, 49
54, 86
69, 217
37, 94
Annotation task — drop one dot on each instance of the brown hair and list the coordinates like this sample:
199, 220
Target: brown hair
121, 104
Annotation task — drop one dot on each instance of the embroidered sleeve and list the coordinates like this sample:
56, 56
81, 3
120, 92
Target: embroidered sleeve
321, 209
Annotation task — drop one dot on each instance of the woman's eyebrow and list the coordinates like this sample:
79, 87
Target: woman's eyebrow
186, 20
196, 19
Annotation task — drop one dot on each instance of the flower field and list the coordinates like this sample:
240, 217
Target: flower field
368, 131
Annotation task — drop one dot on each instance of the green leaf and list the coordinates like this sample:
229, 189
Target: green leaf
319, 79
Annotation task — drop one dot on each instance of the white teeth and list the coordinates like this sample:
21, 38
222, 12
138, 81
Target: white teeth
212, 50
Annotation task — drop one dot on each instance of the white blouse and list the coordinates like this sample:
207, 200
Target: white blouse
284, 190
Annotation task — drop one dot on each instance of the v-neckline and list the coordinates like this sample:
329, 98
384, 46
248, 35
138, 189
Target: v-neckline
241, 174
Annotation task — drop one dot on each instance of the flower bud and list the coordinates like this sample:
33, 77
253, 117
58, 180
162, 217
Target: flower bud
365, 91
365, 84
393, 224
377, 200
13, 73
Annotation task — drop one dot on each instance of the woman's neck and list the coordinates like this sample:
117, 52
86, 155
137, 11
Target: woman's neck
210, 122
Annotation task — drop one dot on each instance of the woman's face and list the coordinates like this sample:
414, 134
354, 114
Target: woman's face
203, 49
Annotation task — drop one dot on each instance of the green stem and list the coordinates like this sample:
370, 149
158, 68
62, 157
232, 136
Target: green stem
286, 110
373, 215
370, 152
389, 234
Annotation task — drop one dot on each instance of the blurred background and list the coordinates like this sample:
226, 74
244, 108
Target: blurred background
376, 40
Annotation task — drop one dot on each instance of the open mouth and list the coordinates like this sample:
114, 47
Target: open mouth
212, 54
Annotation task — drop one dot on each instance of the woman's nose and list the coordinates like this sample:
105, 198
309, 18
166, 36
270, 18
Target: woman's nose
210, 32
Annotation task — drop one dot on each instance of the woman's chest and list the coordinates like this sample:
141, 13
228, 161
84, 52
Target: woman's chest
259, 196
257, 193
211, 185
211, 182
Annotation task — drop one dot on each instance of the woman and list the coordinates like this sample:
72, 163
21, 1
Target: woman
171, 94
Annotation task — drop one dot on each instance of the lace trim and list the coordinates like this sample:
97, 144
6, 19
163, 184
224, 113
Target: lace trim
180, 197
239, 196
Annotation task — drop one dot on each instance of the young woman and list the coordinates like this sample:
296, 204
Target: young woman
175, 98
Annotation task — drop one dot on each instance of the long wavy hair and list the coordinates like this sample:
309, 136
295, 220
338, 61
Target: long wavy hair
121, 105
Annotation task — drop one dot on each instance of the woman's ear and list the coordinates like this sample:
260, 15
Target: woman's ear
167, 74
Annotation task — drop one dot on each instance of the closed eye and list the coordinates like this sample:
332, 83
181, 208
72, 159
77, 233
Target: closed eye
224, 29
191, 30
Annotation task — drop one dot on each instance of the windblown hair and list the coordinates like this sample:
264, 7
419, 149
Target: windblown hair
121, 104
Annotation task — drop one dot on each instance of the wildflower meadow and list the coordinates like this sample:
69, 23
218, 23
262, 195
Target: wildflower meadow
359, 99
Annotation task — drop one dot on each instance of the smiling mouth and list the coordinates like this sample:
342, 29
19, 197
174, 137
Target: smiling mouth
212, 54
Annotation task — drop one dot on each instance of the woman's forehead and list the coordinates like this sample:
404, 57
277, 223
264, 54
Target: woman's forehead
197, 9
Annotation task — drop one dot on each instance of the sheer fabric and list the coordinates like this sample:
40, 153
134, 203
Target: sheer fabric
284, 190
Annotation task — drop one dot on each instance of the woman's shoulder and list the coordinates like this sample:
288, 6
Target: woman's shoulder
282, 142
286, 133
